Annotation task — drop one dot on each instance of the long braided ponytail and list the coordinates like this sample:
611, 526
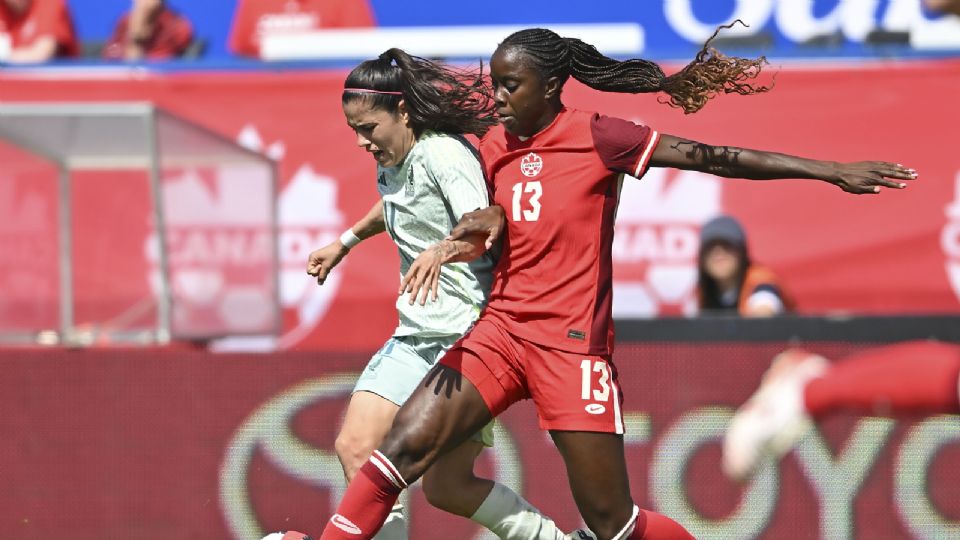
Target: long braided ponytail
709, 74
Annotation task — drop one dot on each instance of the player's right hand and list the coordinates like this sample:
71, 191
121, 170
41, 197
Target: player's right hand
423, 277
491, 221
324, 259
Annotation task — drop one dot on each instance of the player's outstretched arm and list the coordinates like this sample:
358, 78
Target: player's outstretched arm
859, 177
321, 261
423, 276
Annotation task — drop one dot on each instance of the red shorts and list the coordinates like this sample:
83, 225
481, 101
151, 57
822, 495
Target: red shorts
572, 392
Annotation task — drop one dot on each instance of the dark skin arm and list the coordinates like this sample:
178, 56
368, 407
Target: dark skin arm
490, 221
732, 162
863, 177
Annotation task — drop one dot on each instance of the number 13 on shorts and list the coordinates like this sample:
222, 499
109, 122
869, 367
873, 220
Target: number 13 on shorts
588, 391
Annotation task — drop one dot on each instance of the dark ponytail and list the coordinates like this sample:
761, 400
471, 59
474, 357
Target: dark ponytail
709, 74
437, 97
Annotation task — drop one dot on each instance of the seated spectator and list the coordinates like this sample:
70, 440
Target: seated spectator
728, 282
255, 19
151, 30
33, 31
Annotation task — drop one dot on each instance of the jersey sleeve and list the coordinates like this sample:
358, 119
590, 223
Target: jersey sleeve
47, 20
461, 179
175, 36
53, 20
242, 29
113, 49
353, 14
624, 147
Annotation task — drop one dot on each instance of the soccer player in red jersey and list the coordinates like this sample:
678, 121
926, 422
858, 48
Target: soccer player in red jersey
907, 378
255, 20
546, 333
33, 31
150, 30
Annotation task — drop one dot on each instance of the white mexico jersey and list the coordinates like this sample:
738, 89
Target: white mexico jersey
423, 198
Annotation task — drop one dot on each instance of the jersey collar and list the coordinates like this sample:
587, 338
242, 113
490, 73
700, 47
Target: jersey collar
514, 140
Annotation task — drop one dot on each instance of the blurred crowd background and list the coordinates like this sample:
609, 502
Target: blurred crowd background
41, 30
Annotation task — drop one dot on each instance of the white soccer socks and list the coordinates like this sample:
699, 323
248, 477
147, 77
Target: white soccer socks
395, 527
511, 517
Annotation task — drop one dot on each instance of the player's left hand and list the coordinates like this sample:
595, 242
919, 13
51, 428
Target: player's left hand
423, 276
871, 176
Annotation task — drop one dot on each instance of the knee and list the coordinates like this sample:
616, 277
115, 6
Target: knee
410, 451
353, 451
435, 491
444, 491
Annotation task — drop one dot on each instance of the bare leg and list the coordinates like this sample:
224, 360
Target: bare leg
441, 414
450, 484
366, 423
597, 471
598, 478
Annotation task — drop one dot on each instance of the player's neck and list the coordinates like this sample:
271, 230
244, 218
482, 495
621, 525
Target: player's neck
544, 122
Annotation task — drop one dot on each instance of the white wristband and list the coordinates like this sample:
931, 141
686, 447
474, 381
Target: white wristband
348, 239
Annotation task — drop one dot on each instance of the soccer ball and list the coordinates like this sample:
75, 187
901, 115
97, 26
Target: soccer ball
289, 535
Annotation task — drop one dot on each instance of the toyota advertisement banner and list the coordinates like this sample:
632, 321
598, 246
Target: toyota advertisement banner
190, 445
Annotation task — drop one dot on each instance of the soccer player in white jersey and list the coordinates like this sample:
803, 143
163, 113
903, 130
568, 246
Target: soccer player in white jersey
428, 176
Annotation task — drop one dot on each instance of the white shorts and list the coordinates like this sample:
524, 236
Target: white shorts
396, 370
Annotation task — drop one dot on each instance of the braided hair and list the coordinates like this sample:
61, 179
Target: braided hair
437, 97
710, 73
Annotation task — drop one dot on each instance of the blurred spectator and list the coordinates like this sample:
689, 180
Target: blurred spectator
150, 30
33, 31
255, 19
728, 281
945, 6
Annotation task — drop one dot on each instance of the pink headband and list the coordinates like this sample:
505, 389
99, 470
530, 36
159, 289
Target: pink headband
370, 91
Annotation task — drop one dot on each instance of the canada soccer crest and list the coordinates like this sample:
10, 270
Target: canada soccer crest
531, 164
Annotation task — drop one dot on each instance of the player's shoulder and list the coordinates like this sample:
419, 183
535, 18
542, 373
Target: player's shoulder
436, 144
579, 114
440, 150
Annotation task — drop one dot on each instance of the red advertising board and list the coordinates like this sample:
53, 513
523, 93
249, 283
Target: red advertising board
157, 444
898, 252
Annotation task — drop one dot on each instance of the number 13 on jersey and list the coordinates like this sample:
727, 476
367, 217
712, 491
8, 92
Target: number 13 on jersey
533, 190
588, 368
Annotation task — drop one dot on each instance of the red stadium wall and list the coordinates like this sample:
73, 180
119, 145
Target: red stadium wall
893, 253
156, 444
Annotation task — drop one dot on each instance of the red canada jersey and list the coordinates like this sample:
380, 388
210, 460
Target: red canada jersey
255, 19
172, 34
560, 189
43, 18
